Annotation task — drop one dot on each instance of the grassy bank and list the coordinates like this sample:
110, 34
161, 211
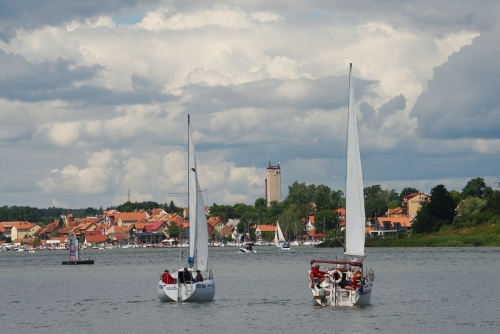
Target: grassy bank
484, 235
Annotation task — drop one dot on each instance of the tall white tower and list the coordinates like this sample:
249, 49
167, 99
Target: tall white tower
273, 183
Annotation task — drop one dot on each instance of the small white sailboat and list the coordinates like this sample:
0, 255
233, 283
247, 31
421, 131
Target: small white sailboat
345, 282
279, 238
194, 282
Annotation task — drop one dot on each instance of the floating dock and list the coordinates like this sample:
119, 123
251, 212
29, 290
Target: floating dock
74, 254
88, 261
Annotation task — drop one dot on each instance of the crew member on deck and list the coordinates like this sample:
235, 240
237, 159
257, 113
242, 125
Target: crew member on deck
316, 273
167, 278
187, 276
199, 277
355, 280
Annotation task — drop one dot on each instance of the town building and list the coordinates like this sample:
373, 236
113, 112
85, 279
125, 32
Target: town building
264, 228
18, 230
390, 225
412, 203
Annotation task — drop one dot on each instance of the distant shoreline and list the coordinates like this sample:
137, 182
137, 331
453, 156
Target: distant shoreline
487, 235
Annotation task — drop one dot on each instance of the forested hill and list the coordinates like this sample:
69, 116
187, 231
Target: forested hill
42, 216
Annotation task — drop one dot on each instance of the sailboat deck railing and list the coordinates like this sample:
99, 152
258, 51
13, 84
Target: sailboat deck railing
351, 263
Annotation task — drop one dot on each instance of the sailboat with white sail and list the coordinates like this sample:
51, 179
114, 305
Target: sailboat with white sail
194, 282
279, 238
346, 282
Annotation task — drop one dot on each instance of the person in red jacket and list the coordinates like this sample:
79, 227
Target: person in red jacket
355, 280
167, 278
316, 273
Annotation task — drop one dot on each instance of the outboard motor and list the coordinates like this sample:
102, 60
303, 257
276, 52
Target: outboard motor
322, 295
371, 275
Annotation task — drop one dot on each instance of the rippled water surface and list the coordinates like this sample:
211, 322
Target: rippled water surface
416, 290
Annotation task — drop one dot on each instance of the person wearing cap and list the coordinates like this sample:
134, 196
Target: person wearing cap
167, 278
199, 277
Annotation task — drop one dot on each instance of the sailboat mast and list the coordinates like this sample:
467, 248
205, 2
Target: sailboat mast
191, 208
189, 185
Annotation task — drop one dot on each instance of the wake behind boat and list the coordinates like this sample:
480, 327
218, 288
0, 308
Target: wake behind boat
346, 283
194, 282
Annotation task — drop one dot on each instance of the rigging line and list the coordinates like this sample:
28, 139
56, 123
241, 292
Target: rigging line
177, 159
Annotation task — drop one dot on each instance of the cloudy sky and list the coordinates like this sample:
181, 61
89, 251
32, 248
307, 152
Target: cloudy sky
94, 95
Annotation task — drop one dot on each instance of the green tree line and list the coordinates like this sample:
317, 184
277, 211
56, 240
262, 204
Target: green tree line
476, 204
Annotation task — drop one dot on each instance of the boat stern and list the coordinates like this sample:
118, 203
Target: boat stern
167, 292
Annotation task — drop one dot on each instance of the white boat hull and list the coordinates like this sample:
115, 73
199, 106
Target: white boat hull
180, 292
333, 295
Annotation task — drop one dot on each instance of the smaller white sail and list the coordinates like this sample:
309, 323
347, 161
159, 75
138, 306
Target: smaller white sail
281, 238
201, 231
198, 230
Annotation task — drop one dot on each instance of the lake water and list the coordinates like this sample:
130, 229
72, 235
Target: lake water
416, 290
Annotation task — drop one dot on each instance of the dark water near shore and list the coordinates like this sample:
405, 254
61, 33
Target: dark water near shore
417, 290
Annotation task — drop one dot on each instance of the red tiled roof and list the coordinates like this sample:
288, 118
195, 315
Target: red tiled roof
407, 197
94, 232
65, 230
20, 225
227, 230
391, 211
214, 220
131, 216
96, 238
153, 227
340, 211
403, 221
267, 228
179, 221
120, 237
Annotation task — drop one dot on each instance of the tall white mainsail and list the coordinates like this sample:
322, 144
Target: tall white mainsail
198, 231
355, 207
